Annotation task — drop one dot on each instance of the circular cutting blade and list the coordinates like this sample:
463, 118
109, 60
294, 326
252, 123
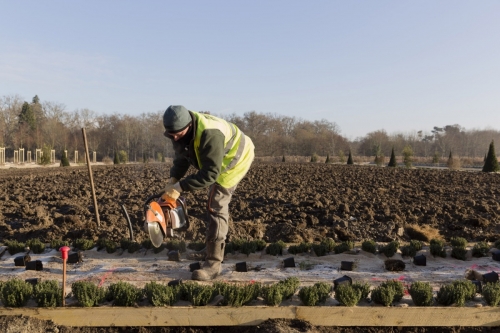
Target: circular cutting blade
155, 234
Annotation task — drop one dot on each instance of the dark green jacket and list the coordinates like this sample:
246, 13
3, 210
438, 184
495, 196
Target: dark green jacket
211, 153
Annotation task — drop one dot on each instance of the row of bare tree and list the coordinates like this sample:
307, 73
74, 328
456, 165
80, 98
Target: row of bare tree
36, 124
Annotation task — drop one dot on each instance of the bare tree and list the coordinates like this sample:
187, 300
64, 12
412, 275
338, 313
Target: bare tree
373, 141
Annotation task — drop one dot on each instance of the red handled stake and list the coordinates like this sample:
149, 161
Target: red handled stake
64, 255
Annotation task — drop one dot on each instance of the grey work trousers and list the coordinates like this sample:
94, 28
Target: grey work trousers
218, 212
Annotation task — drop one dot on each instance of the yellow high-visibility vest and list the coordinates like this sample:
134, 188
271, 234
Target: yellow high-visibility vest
238, 148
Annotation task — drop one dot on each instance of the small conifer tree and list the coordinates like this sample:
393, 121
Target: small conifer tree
453, 163
116, 160
283, 159
64, 160
392, 161
379, 156
349, 159
341, 156
491, 163
45, 158
314, 158
408, 156
435, 158
327, 158
122, 156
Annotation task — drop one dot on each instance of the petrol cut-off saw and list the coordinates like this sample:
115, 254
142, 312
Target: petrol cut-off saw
162, 217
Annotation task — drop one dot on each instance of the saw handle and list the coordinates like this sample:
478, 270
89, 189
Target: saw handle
172, 203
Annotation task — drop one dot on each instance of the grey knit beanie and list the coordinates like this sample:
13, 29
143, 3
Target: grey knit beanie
176, 118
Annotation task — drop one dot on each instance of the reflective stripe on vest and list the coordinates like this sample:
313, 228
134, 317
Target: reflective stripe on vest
234, 139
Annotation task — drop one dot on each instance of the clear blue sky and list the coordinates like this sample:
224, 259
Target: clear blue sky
366, 65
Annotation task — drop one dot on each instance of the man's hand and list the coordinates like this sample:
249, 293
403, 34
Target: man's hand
173, 180
172, 191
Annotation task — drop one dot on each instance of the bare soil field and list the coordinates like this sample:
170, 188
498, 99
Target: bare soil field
283, 201
291, 202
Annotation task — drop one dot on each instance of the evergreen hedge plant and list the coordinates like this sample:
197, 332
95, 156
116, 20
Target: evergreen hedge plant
411, 249
329, 244
491, 293
458, 242
58, 243
272, 294
459, 253
123, 294
301, 248
383, 295
198, 295
16, 293
196, 246
397, 286
364, 288
480, 249
457, 293
36, 245
237, 294
176, 244
369, 246
160, 294
87, 293
390, 249
13, 246
421, 293
343, 247
437, 248
83, 244
147, 244
48, 293
276, 248
316, 294
347, 295
319, 249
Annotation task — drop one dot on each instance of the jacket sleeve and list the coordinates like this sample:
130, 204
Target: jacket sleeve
211, 152
180, 167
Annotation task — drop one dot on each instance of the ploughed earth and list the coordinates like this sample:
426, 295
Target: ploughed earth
290, 202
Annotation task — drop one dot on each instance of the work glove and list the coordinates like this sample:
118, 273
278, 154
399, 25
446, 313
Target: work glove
172, 191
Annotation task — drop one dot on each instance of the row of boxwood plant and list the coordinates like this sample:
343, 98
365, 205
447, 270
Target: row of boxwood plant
328, 245
16, 293
36, 246
455, 293
436, 247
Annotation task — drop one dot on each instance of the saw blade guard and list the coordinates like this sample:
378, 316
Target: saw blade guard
164, 215
154, 214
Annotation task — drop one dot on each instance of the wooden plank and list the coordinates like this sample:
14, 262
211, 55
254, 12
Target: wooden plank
391, 316
251, 316
155, 316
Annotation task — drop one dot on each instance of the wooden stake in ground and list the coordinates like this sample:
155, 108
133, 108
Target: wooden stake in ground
64, 255
87, 157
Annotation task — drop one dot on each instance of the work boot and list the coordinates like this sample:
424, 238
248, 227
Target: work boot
197, 255
212, 265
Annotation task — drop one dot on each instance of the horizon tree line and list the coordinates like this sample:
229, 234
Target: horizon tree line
33, 125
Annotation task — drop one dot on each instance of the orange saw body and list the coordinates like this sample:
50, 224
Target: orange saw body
162, 217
